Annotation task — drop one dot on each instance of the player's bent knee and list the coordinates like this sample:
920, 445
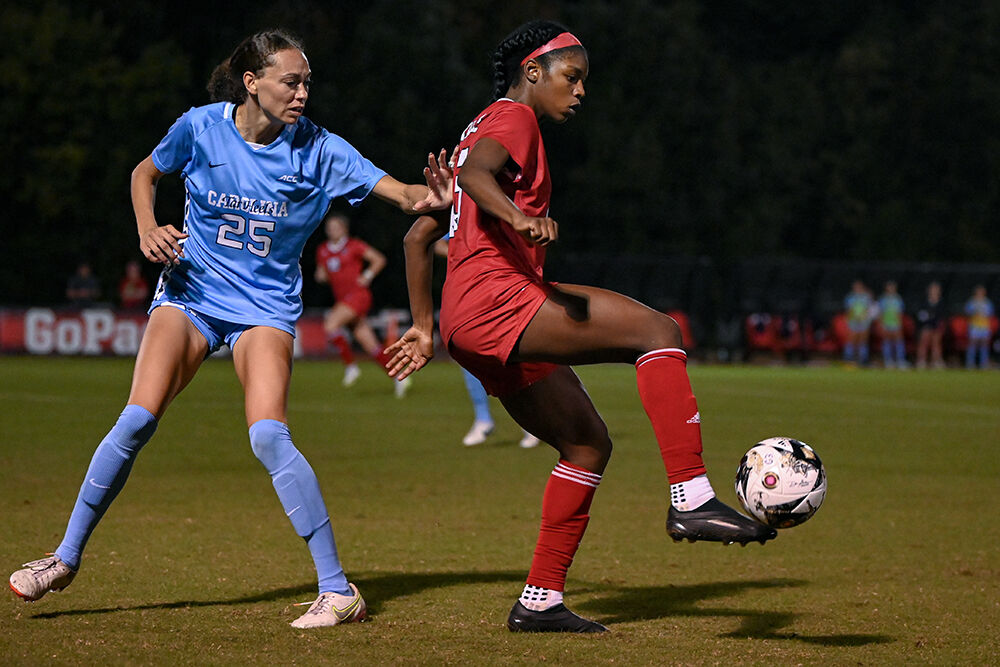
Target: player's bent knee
591, 452
664, 332
272, 444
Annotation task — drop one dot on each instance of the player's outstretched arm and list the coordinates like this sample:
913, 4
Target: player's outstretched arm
418, 199
416, 347
158, 244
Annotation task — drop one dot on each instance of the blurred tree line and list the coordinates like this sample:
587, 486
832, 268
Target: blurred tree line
860, 129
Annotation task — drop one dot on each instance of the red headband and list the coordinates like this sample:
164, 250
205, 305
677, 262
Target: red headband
560, 41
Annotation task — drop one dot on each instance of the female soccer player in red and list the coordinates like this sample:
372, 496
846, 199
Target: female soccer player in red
519, 334
349, 265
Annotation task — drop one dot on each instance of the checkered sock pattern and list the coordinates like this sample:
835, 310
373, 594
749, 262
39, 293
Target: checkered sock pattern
665, 392
692, 494
565, 514
539, 599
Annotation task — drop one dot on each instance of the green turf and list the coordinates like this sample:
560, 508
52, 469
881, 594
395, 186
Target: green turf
195, 563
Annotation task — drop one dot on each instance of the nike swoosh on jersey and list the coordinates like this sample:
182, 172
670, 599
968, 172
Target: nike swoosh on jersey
214, 165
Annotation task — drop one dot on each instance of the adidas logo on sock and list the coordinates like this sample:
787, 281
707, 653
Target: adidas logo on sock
696, 419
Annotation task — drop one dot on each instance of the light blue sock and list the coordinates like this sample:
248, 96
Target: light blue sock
109, 468
900, 352
984, 354
970, 355
863, 354
848, 351
887, 352
298, 491
480, 401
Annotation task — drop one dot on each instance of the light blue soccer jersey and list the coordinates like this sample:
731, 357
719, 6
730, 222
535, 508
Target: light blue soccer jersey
248, 213
891, 311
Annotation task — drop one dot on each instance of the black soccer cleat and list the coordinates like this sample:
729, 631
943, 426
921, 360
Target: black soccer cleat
553, 619
714, 521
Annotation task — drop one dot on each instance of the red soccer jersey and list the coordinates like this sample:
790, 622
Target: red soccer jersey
343, 263
488, 261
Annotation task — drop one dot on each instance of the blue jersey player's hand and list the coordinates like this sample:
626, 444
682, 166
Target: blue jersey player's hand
438, 174
163, 244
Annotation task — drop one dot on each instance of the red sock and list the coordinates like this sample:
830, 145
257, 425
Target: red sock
665, 392
382, 358
391, 330
344, 347
565, 508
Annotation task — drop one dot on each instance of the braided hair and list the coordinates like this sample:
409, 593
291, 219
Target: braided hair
252, 55
506, 62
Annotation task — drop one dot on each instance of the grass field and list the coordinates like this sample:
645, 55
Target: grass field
195, 563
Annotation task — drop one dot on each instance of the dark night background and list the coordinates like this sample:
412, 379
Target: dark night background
716, 132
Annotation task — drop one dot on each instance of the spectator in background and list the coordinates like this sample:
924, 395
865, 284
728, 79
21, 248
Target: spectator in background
133, 290
82, 288
930, 329
859, 309
890, 320
979, 310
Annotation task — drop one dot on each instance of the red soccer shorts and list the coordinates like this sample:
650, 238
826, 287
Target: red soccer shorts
360, 301
483, 344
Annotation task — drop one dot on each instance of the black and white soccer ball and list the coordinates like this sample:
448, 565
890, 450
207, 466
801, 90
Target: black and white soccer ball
781, 482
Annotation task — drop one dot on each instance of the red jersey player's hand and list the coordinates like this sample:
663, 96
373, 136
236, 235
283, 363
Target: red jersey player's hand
163, 244
410, 353
537, 231
438, 174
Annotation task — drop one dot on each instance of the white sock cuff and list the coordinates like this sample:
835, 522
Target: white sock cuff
689, 495
537, 598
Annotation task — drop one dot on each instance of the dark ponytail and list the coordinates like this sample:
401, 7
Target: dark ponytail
252, 55
506, 62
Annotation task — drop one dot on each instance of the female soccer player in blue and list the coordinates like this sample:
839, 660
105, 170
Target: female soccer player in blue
259, 176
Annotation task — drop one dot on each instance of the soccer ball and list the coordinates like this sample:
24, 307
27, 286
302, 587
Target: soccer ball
781, 482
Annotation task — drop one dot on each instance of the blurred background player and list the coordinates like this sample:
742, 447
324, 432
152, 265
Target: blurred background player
520, 334
890, 322
930, 329
482, 424
349, 265
858, 307
233, 277
133, 290
979, 310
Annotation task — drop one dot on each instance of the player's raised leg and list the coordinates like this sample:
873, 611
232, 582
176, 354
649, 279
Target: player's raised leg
263, 358
559, 410
583, 325
172, 349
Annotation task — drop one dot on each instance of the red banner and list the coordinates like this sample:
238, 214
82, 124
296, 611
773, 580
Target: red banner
104, 331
